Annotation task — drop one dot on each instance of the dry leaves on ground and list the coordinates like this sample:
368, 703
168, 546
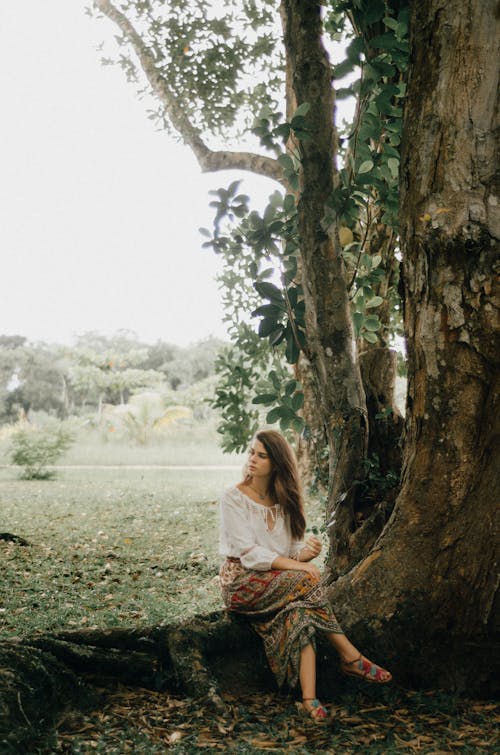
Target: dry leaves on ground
139, 720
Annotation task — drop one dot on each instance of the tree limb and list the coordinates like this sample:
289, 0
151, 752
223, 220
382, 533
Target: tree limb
208, 160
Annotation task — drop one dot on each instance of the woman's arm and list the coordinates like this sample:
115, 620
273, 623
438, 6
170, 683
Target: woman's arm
282, 563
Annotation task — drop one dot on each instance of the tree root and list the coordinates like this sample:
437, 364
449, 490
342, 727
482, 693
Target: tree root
42, 676
10, 538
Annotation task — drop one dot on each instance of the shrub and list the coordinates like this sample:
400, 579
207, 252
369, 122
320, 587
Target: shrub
36, 447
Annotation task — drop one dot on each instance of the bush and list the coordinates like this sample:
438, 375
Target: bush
36, 447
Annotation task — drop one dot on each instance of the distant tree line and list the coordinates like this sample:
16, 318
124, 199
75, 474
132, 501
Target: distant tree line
97, 370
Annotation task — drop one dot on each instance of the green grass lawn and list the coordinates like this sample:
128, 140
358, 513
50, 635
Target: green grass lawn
110, 547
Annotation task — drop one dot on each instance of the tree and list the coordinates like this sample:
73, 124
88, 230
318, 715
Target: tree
33, 378
327, 321
426, 595
429, 582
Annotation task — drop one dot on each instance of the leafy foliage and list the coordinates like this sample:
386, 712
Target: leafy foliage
219, 62
260, 265
224, 67
264, 248
98, 370
36, 447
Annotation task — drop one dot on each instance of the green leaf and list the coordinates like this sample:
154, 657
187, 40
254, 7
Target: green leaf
376, 301
286, 163
268, 310
276, 338
370, 337
298, 401
354, 49
386, 41
391, 23
292, 351
342, 93
298, 424
267, 326
357, 318
302, 109
290, 387
283, 130
365, 166
374, 12
264, 398
268, 291
274, 415
393, 165
372, 323
273, 376
343, 68
233, 188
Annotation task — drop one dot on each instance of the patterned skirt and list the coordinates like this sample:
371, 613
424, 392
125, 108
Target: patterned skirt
285, 608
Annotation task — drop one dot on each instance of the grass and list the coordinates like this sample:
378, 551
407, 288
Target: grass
185, 443
107, 549
138, 547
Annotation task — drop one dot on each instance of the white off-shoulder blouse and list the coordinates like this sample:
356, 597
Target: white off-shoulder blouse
252, 532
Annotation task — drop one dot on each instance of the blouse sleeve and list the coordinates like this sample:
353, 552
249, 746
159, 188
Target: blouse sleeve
295, 548
237, 538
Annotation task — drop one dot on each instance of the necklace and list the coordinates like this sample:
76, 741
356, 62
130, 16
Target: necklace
262, 497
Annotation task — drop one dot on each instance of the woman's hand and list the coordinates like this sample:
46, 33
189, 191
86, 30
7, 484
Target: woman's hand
311, 549
311, 569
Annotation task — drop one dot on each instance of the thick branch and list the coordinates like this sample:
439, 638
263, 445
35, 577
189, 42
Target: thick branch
208, 160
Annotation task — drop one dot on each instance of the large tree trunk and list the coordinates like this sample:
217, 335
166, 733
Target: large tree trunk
330, 342
428, 591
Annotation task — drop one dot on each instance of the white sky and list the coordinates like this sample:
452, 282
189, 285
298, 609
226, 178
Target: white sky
99, 213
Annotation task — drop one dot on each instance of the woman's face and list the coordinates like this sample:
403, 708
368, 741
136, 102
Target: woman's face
259, 463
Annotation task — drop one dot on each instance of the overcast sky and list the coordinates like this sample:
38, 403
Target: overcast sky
99, 213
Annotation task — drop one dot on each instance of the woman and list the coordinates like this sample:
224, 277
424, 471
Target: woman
268, 574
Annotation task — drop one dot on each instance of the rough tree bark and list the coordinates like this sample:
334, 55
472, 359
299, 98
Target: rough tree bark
331, 348
427, 594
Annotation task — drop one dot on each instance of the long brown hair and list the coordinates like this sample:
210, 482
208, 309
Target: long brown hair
284, 486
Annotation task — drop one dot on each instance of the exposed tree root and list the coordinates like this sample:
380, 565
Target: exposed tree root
47, 674
10, 538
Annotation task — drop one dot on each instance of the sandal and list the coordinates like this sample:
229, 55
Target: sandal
317, 712
366, 670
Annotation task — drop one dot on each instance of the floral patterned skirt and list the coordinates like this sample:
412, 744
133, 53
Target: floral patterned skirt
285, 607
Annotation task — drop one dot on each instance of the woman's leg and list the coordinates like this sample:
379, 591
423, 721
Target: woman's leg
307, 677
354, 663
307, 672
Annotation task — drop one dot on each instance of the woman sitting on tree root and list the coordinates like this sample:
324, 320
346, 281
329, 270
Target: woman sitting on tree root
268, 575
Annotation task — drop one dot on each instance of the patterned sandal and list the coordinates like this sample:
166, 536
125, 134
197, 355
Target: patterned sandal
317, 712
366, 670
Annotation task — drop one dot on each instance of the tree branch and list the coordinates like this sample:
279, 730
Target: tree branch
208, 160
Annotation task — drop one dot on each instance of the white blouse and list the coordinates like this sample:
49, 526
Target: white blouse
245, 531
